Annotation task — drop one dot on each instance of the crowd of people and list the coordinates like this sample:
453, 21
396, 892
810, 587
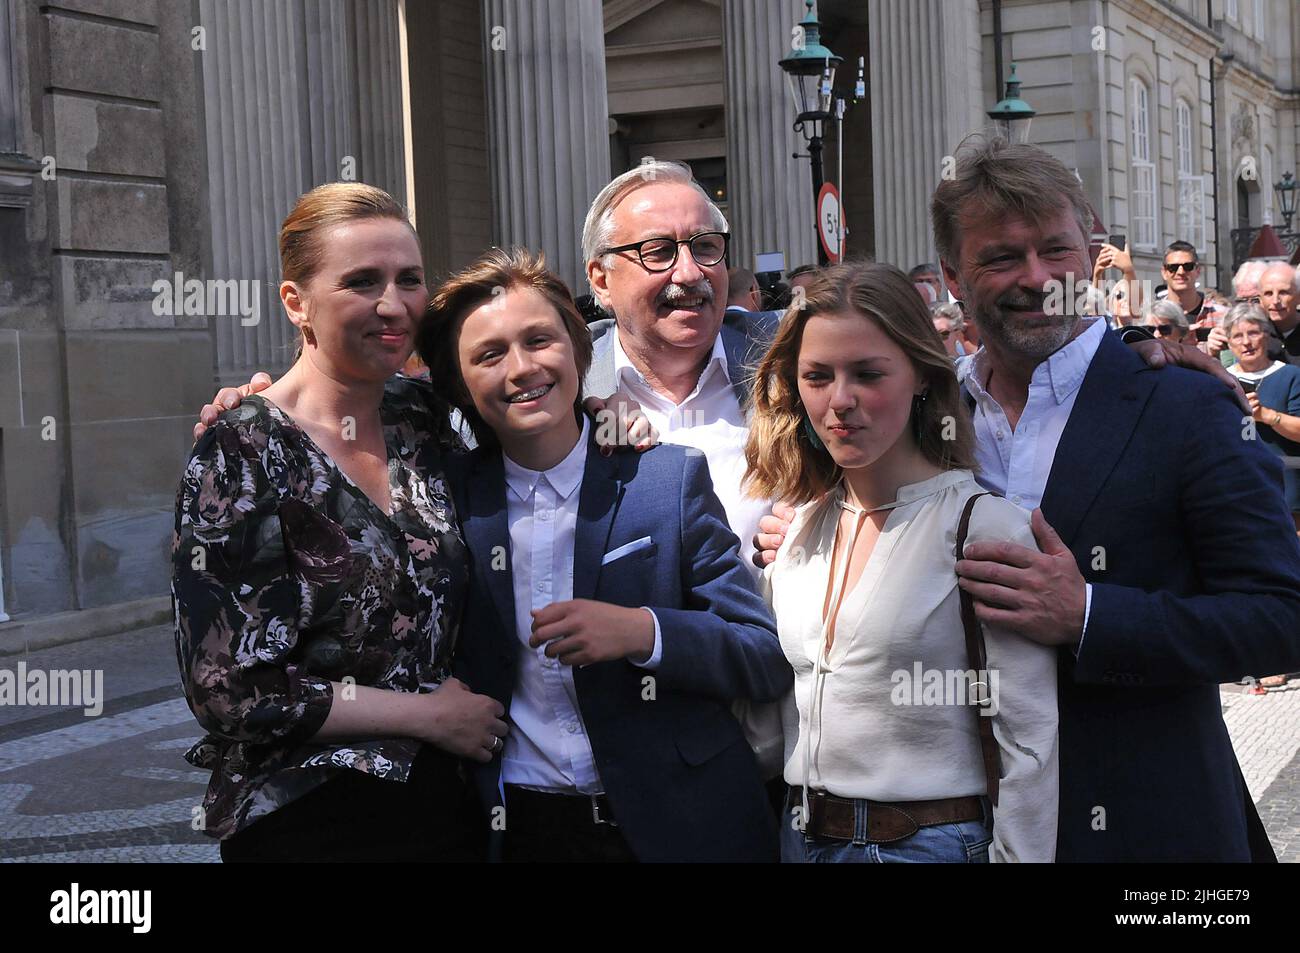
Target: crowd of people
664, 576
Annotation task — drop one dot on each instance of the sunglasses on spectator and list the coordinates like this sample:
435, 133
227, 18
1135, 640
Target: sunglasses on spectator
1187, 267
1164, 330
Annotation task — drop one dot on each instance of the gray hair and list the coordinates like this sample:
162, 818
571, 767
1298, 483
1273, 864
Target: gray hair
950, 310
1274, 266
1248, 274
1240, 313
599, 226
1165, 310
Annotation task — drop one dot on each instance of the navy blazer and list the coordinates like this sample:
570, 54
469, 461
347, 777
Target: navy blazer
1179, 524
681, 780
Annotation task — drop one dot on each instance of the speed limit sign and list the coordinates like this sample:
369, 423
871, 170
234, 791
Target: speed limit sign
829, 227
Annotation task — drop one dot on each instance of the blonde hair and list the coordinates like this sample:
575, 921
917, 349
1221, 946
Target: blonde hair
494, 272
782, 461
323, 208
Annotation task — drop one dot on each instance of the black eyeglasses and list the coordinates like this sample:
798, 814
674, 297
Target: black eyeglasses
1164, 330
660, 254
1187, 267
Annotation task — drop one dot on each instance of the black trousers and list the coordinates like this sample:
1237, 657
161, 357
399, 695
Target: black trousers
558, 829
357, 817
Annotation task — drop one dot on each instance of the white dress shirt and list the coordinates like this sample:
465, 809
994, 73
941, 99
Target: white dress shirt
547, 747
712, 421
859, 723
1015, 463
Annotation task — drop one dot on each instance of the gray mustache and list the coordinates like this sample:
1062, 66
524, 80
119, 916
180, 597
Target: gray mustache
671, 293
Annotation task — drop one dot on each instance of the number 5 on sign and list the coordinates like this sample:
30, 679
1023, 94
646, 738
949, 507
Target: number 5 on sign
829, 221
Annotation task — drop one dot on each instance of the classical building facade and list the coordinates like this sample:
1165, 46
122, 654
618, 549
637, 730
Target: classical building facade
149, 144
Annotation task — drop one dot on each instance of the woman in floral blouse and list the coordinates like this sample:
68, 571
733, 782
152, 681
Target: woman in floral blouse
318, 573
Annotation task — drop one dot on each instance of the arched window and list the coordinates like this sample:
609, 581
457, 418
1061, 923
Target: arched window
1142, 171
1191, 184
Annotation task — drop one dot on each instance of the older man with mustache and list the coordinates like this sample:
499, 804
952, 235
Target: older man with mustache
656, 253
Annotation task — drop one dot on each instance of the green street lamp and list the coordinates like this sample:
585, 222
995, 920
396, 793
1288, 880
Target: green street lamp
810, 72
1011, 116
1285, 192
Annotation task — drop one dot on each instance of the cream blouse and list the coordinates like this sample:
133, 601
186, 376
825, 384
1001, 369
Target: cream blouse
886, 713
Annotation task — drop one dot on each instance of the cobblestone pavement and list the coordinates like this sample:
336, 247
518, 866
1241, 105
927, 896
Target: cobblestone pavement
115, 788
1265, 732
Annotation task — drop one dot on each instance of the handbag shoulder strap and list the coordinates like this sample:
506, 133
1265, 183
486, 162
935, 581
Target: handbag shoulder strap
978, 660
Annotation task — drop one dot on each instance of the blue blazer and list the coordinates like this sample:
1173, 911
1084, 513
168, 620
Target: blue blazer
1178, 523
681, 780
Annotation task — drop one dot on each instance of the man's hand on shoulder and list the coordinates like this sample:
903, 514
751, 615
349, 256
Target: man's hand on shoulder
771, 533
620, 423
228, 398
1039, 594
1163, 353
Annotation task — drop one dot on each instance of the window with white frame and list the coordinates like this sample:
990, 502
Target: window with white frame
1142, 171
1191, 185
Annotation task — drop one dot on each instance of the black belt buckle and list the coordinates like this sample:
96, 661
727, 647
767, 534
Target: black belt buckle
595, 813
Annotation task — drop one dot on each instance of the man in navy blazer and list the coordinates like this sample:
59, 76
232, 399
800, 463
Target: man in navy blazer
679, 778
1168, 561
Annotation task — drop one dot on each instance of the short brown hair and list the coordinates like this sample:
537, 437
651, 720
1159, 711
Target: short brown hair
783, 463
494, 272
996, 178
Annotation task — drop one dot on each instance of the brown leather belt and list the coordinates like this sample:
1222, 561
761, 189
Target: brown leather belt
835, 817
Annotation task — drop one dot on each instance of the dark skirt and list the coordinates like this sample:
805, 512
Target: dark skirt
356, 817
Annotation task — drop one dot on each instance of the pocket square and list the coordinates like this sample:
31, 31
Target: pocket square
627, 549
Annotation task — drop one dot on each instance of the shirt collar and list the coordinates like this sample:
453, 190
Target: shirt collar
911, 492
564, 477
1236, 371
624, 368
1063, 371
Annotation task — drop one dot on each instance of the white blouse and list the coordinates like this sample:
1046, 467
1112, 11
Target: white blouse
886, 712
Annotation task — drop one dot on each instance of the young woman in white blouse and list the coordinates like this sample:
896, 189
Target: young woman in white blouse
858, 421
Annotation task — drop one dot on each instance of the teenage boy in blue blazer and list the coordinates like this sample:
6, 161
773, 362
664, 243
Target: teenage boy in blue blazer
610, 611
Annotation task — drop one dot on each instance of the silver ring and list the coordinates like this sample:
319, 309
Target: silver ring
497, 744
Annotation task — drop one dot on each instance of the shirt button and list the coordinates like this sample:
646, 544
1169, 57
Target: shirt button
1001, 435
544, 515
572, 729
1016, 500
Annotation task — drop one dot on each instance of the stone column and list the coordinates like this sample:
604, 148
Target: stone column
925, 89
294, 96
769, 192
548, 111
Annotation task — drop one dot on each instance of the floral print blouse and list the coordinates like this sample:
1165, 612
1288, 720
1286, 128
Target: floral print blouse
287, 577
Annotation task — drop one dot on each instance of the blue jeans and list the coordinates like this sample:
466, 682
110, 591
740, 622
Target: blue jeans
964, 843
